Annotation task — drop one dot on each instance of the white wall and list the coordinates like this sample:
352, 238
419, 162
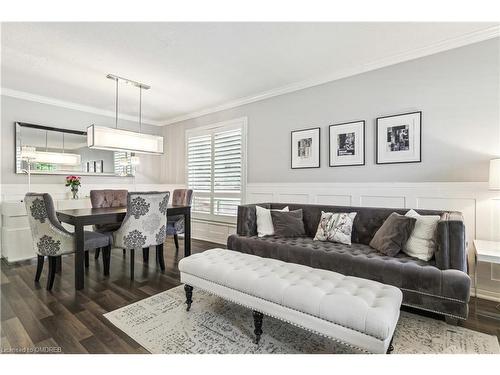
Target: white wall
458, 92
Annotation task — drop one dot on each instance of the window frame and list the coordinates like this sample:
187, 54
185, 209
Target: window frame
237, 123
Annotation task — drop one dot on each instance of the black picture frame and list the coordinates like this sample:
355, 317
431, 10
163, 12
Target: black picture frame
377, 129
318, 129
330, 144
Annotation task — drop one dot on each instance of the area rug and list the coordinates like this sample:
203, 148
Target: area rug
161, 324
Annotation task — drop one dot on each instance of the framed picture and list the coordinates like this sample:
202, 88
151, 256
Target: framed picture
347, 144
98, 166
306, 148
399, 138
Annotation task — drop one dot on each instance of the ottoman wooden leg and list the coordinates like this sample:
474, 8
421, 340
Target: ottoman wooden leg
257, 320
189, 296
391, 347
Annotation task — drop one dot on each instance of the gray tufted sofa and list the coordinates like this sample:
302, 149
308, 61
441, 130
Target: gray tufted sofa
440, 285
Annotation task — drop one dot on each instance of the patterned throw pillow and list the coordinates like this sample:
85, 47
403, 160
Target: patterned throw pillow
335, 227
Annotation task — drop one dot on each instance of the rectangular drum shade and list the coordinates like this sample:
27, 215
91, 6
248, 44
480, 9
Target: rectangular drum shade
105, 138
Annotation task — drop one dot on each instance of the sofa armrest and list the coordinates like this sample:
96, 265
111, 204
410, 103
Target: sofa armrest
451, 247
247, 219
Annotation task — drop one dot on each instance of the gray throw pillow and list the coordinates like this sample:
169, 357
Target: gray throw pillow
288, 224
393, 234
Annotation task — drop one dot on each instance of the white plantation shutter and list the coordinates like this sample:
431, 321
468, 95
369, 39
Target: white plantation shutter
122, 163
215, 169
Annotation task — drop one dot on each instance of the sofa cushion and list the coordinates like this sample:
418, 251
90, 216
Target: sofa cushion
360, 260
422, 242
288, 224
335, 227
393, 234
264, 221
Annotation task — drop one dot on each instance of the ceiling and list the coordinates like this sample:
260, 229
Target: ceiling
193, 67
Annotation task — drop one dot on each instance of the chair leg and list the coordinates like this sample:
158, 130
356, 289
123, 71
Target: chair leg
145, 255
87, 259
97, 251
52, 272
132, 260
106, 259
124, 252
176, 241
159, 256
39, 267
59, 264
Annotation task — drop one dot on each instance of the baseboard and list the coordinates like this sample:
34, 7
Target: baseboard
485, 294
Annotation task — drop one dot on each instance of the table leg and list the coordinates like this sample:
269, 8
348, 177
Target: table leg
187, 232
79, 257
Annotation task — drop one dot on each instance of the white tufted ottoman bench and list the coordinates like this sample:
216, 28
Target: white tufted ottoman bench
357, 312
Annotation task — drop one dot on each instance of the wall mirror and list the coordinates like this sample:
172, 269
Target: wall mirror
48, 150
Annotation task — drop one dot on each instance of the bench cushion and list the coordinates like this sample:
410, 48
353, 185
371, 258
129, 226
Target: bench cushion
362, 306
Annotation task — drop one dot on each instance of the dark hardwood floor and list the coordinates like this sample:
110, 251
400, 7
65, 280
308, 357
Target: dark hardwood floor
63, 320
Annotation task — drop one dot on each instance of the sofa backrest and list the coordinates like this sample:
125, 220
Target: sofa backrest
368, 219
451, 249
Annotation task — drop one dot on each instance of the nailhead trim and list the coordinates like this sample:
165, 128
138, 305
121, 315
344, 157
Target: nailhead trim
434, 311
251, 295
433, 295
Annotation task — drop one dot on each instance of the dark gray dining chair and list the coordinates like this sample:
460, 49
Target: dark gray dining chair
175, 224
52, 240
144, 225
107, 198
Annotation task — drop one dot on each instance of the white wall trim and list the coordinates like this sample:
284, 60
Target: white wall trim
74, 106
447, 44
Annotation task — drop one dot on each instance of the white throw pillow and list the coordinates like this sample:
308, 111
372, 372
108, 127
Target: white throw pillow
265, 222
422, 242
335, 227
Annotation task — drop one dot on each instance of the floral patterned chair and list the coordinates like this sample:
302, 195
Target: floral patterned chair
144, 225
175, 224
52, 240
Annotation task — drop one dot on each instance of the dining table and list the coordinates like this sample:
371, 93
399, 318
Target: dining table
81, 217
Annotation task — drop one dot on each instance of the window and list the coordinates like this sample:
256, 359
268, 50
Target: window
215, 168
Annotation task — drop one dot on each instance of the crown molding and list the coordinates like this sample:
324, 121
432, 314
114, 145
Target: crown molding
445, 45
74, 106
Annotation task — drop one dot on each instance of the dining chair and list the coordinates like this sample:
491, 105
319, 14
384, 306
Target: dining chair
144, 225
175, 224
52, 240
107, 198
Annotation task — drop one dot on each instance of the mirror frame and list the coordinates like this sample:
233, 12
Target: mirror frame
17, 143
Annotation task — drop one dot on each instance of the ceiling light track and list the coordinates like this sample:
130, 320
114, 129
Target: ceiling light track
128, 81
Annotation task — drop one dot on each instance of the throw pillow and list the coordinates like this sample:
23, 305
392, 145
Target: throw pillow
335, 227
265, 222
392, 236
422, 242
288, 224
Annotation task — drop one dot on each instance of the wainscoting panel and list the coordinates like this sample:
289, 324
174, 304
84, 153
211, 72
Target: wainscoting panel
334, 200
211, 231
382, 201
260, 197
293, 198
467, 206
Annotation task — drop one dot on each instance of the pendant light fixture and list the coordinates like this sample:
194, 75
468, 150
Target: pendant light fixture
114, 139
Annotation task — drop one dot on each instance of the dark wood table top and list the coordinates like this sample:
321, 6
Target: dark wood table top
87, 216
